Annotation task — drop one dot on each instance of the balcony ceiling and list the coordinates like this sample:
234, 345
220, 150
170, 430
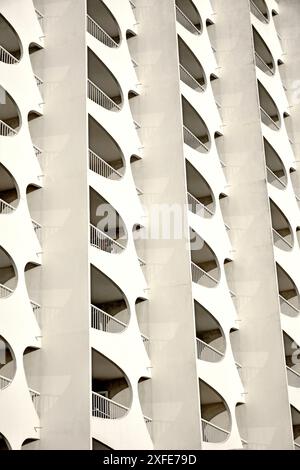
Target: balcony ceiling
103, 289
104, 369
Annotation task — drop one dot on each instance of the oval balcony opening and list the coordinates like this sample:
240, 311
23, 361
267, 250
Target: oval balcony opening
111, 391
10, 44
31, 362
34, 206
142, 315
8, 274
263, 56
276, 174
288, 293
195, 131
216, 421
10, 121
268, 110
191, 71
200, 195
9, 192
33, 285
188, 16
139, 234
4, 445
210, 338
102, 24
205, 267
109, 306
260, 10
241, 420
144, 390
105, 156
282, 231
291, 351
107, 229
296, 426
103, 88
7, 364
229, 274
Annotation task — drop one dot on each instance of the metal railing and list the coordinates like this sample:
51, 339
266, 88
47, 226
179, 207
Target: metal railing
5, 291
101, 167
193, 141
262, 64
38, 80
6, 130
257, 12
104, 242
35, 307
103, 407
99, 97
272, 178
197, 207
287, 308
213, 433
296, 446
198, 275
95, 30
37, 228
37, 150
136, 124
7, 57
35, 397
134, 63
133, 5
4, 382
186, 22
146, 342
280, 241
293, 377
205, 352
187, 78
40, 16
267, 120
5, 208
102, 321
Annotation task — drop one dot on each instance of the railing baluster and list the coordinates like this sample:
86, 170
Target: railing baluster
6, 57
95, 30
205, 352
104, 242
213, 433
186, 77
197, 207
199, 273
101, 167
6, 130
186, 22
5, 291
193, 141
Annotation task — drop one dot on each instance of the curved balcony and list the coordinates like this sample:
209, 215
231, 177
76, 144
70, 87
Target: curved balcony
229, 274
241, 420
105, 156
188, 16
291, 350
31, 361
10, 44
142, 315
216, 421
111, 391
10, 120
296, 427
102, 24
34, 206
191, 71
109, 306
7, 364
103, 87
32, 281
107, 229
210, 337
8, 274
276, 174
268, 110
204, 263
263, 56
9, 192
4, 445
260, 10
288, 293
200, 195
195, 131
282, 231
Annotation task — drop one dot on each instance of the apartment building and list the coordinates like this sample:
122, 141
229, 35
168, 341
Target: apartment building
149, 224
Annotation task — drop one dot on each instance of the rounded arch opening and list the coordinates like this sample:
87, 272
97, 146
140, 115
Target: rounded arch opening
205, 266
260, 9
200, 195
9, 191
282, 230
195, 131
8, 364
288, 293
276, 174
188, 16
10, 117
191, 71
270, 115
8, 274
102, 24
263, 55
10, 43
210, 338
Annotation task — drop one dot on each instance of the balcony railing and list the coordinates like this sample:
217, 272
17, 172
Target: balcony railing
6, 130
6, 57
99, 97
280, 241
104, 322
5, 208
146, 342
263, 65
5, 291
35, 397
256, 11
133, 5
296, 446
186, 77
40, 16
38, 80
198, 274
37, 150
287, 308
213, 433
103, 407
197, 207
193, 141
186, 22
37, 228
101, 167
4, 382
267, 120
104, 242
293, 377
244, 443
95, 30
205, 352
275, 180
35, 307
